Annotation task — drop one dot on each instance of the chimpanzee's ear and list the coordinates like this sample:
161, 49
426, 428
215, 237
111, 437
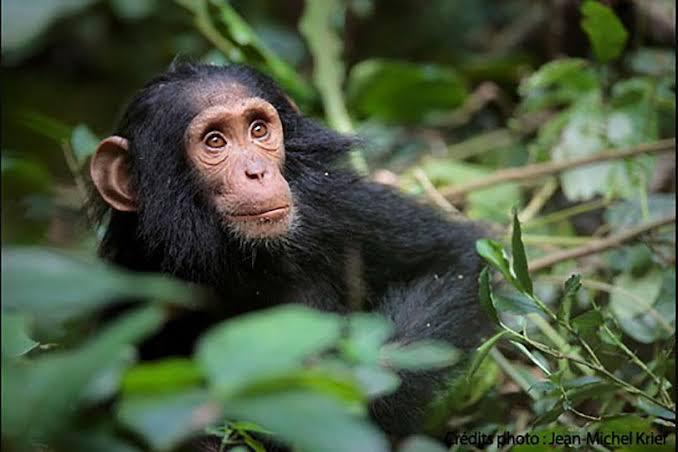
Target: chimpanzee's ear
109, 171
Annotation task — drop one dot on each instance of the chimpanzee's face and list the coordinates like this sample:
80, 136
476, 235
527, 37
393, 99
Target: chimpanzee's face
236, 144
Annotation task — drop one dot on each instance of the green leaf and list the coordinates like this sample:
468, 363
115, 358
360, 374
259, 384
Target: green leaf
334, 382
70, 287
38, 397
583, 136
25, 175
537, 360
421, 444
605, 31
519, 261
165, 420
493, 252
634, 305
554, 72
367, 333
256, 349
419, 355
572, 286
46, 126
655, 410
515, 302
482, 352
28, 20
296, 415
485, 295
399, 91
106, 383
376, 381
161, 376
620, 425
587, 324
556, 83
83, 142
15, 340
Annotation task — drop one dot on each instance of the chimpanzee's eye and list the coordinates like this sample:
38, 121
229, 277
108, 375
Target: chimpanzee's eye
259, 130
215, 140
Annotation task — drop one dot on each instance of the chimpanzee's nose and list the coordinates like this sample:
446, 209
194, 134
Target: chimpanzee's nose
255, 169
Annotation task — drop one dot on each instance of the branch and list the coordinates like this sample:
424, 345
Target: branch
545, 169
597, 246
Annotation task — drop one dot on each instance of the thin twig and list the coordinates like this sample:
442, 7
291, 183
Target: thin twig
538, 200
545, 169
601, 370
598, 246
432, 193
566, 213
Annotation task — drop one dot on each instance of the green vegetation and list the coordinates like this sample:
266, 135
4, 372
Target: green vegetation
555, 129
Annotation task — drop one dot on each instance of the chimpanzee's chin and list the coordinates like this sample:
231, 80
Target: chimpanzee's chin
261, 228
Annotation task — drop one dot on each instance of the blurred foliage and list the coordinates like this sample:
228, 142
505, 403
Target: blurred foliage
444, 94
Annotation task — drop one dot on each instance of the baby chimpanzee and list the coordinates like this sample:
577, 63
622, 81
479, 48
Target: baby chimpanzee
214, 176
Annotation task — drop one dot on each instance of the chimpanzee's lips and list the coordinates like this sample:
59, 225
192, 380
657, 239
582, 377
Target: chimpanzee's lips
277, 213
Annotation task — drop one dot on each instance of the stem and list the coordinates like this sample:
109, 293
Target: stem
328, 69
566, 213
548, 168
536, 239
597, 246
509, 370
538, 200
599, 369
432, 193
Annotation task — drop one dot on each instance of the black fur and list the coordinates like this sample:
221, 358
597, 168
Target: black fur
353, 244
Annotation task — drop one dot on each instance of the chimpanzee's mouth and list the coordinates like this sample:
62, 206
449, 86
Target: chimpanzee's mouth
275, 214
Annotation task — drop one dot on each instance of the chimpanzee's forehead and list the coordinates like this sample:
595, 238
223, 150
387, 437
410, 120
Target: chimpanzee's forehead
204, 94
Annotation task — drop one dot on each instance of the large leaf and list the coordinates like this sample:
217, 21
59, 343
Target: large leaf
583, 136
367, 333
83, 143
375, 381
165, 420
24, 21
310, 421
419, 355
398, 91
53, 286
557, 82
605, 31
38, 397
264, 344
421, 444
640, 310
166, 375
15, 339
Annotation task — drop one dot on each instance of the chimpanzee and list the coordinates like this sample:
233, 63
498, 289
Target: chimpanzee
214, 176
